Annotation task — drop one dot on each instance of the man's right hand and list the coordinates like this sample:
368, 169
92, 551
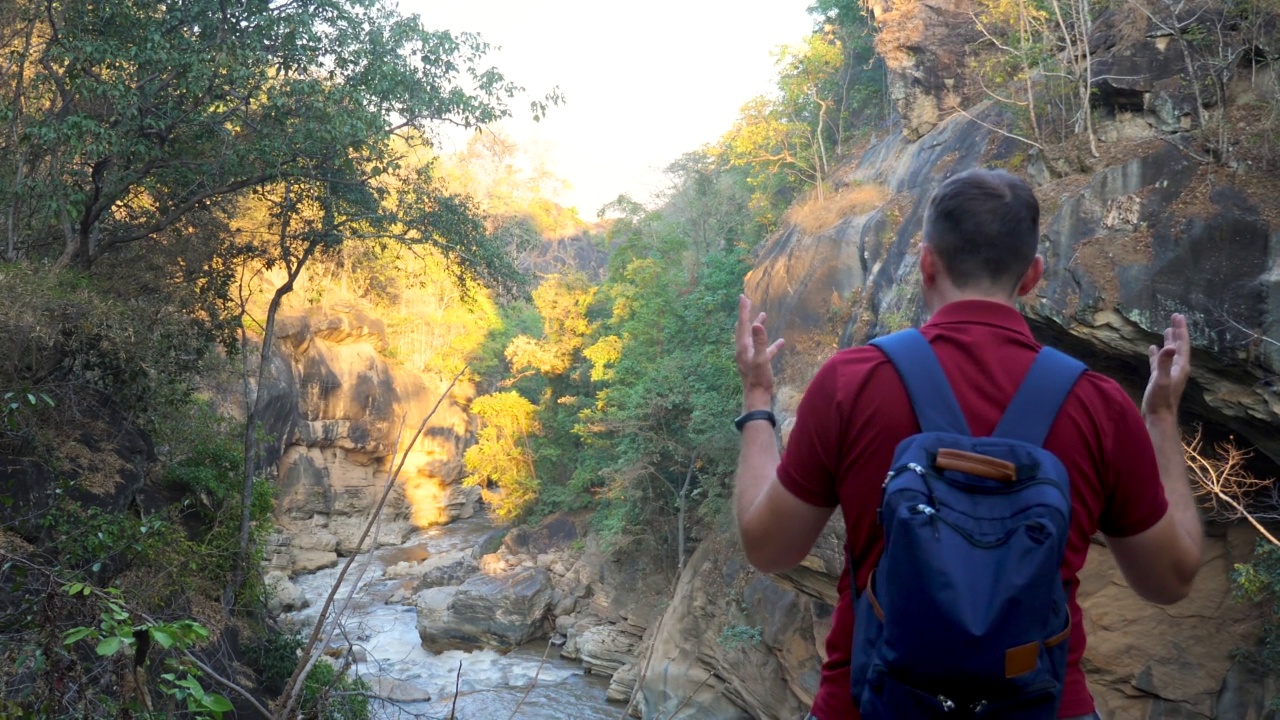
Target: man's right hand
1170, 368
1161, 562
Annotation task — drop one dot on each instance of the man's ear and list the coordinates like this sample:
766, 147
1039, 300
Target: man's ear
1031, 277
929, 266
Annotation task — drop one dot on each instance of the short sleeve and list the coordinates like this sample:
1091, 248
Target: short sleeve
1134, 494
811, 460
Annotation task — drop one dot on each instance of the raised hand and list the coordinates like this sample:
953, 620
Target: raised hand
1170, 368
754, 355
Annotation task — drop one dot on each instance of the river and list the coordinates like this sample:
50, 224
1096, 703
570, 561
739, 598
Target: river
491, 684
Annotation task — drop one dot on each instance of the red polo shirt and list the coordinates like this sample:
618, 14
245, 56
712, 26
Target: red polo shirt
856, 410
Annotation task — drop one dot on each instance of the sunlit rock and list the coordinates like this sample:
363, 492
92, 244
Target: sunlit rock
487, 611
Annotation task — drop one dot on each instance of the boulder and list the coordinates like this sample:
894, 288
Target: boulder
283, 595
494, 564
574, 630
604, 649
487, 611
305, 561
453, 570
396, 690
433, 606
553, 533
622, 684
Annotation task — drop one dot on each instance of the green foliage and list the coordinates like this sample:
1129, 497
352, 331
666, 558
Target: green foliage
631, 382
132, 116
830, 92
331, 695
1258, 581
327, 694
118, 634
733, 637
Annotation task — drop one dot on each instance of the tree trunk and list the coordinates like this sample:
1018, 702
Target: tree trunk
682, 503
251, 449
11, 244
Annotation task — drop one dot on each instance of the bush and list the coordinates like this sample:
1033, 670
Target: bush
327, 694
1258, 581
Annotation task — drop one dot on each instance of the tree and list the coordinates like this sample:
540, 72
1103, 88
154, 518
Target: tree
127, 118
501, 460
124, 117
829, 90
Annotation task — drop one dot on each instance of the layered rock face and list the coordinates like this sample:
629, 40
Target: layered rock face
334, 408
1129, 237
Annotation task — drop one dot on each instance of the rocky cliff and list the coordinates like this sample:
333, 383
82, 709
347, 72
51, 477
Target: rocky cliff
1146, 228
334, 408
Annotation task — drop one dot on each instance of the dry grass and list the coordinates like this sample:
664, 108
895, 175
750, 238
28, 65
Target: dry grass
820, 212
96, 470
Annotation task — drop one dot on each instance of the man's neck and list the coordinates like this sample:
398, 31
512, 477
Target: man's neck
942, 296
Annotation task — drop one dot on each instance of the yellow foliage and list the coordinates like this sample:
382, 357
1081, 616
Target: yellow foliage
562, 302
526, 352
500, 462
605, 352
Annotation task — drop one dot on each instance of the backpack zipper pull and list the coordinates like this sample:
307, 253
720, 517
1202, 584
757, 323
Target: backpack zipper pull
933, 518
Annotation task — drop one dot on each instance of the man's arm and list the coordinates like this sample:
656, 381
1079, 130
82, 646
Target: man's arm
777, 529
1161, 562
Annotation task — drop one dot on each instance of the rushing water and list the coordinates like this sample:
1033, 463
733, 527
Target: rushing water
418, 684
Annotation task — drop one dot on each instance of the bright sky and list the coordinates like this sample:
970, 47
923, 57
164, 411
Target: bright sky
645, 81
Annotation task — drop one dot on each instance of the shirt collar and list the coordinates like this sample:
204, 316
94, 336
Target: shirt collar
985, 312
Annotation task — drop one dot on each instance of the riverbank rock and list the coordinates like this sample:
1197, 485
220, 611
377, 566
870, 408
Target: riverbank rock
283, 595
448, 571
606, 648
623, 683
499, 612
733, 643
554, 533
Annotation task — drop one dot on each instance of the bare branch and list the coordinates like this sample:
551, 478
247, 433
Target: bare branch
1222, 478
956, 106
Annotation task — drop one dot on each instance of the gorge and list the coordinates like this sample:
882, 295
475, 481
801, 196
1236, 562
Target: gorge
559, 542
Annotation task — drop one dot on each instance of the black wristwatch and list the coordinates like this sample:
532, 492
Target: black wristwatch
745, 418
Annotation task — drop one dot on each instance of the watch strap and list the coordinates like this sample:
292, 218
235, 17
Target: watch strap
747, 417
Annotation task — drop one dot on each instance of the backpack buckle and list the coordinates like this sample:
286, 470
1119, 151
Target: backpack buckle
947, 704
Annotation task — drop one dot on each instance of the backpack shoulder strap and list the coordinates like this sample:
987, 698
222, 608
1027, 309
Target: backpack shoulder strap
1036, 403
934, 403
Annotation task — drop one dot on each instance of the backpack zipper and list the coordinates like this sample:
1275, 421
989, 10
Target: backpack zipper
934, 516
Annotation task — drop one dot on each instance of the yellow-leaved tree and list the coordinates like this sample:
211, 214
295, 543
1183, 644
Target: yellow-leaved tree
501, 462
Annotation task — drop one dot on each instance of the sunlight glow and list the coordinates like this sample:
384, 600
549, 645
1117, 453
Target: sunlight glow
644, 83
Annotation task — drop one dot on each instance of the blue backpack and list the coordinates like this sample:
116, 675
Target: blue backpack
965, 615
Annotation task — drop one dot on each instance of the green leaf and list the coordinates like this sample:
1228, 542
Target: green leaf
162, 638
109, 646
217, 703
76, 634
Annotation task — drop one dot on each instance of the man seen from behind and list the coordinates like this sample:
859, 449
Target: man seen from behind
1127, 472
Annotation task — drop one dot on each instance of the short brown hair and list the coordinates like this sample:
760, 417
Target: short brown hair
984, 226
